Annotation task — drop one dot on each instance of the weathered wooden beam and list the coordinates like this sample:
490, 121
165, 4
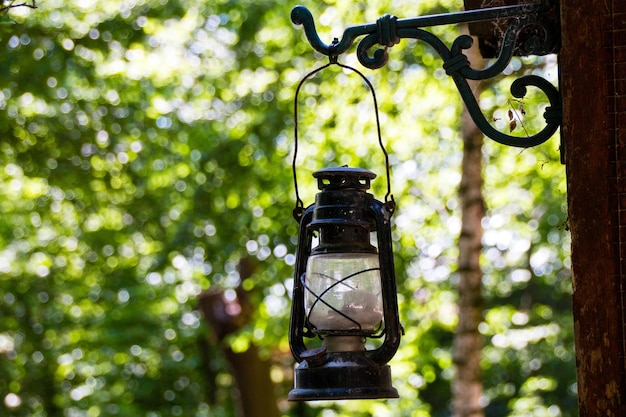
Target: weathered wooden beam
596, 189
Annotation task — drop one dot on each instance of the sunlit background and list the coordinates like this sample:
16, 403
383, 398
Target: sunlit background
145, 152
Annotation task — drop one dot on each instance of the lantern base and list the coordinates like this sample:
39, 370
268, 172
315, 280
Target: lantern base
341, 376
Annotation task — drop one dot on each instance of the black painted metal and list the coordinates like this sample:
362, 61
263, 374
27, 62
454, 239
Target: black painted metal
344, 214
341, 376
341, 215
298, 329
388, 31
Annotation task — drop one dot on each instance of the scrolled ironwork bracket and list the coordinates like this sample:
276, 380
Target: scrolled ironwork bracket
525, 32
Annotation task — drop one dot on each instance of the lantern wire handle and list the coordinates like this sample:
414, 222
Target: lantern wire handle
299, 209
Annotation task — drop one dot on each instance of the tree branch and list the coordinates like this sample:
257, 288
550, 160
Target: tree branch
11, 5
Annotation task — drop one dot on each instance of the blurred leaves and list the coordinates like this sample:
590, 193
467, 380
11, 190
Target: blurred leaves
146, 149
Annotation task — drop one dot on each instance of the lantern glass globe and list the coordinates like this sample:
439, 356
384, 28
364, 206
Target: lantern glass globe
343, 292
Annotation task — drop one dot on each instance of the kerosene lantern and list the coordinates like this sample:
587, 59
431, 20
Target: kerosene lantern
344, 292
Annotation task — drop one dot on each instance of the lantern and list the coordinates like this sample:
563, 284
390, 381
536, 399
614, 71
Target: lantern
344, 292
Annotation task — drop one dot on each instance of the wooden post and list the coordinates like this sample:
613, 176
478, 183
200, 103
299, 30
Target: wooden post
593, 71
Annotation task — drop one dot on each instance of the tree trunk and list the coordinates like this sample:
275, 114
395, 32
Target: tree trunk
226, 313
467, 388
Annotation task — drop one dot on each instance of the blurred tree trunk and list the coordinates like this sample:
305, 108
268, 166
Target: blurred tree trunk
228, 311
467, 387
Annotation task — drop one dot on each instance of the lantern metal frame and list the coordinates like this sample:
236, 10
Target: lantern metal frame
525, 31
328, 375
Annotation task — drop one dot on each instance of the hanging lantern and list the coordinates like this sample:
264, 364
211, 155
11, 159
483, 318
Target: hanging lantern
344, 289
344, 292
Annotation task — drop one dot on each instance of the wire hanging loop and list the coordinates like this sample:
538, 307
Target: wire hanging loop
298, 211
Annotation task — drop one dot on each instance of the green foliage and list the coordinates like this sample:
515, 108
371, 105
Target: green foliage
146, 149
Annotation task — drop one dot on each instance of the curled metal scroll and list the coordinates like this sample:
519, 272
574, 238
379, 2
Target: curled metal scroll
524, 22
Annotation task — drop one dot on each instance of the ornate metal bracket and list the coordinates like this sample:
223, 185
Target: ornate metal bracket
525, 32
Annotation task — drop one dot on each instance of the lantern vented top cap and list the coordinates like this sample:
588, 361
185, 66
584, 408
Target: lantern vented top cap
341, 178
